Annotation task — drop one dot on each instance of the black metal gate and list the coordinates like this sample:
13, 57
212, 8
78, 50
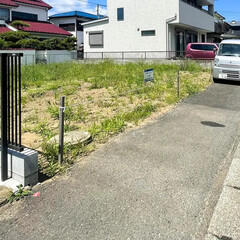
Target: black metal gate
11, 132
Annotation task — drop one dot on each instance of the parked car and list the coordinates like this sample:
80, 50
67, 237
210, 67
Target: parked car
227, 61
200, 50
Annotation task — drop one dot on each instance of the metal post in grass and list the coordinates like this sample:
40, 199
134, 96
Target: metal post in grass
178, 83
210, 74
61, 130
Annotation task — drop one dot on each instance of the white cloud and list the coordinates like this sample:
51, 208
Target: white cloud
60, 6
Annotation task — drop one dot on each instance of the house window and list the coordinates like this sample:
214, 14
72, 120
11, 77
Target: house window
96, 39
148, 33
120, 14
68, 27
24, 16
4, 14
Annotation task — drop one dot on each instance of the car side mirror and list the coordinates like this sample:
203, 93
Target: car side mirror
215, 50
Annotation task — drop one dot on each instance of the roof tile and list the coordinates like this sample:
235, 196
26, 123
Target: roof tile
14, 3
8, 3
44, 27
4, 29
39, 3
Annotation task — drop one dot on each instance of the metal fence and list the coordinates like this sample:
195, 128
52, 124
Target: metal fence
144, 55
42, 58
11, 132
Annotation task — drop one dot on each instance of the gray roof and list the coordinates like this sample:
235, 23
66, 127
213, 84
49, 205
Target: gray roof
234, 23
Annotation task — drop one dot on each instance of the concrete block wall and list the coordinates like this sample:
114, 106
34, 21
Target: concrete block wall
23, 166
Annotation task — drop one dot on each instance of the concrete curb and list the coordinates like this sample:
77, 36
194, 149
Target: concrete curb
225, 224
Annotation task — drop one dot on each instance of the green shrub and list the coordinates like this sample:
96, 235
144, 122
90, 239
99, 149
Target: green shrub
14, 36
30, 43
69, 43
53, 44
3, 44
20, 39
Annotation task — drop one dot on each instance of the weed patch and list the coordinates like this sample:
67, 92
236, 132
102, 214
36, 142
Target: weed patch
103, 98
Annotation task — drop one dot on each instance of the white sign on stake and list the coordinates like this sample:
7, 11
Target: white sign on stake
148, 75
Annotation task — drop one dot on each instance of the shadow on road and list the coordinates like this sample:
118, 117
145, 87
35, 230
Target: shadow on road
212, 124
228, 82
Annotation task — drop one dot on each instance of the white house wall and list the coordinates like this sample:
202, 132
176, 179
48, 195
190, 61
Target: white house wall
123, 36
41, 12
58, 21
126, 35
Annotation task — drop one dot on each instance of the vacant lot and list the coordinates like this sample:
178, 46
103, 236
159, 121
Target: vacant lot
103, 98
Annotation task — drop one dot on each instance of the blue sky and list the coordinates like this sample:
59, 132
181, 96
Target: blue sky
230, 9
80, 5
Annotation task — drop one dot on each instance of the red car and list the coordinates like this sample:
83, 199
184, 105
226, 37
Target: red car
201, 50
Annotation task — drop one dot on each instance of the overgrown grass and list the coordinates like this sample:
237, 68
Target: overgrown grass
107, 97
68, 77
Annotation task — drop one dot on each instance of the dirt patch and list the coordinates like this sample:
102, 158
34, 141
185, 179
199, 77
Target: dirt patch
32, 140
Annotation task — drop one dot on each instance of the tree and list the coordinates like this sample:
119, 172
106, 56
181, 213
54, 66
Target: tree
2, 44
14, 36
20, 25
30, 43
69, 43
20, 39
53, 44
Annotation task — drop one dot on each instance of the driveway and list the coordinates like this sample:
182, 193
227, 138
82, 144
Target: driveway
161, 181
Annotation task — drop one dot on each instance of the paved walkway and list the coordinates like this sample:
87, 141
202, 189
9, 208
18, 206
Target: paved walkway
161, 181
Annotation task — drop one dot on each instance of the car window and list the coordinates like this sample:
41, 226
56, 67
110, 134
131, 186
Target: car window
229, 50
196, 46
208, 47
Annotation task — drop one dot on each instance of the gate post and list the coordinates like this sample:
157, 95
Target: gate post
4, 118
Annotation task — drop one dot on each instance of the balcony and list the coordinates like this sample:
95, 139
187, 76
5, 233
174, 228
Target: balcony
195, 16
200, 4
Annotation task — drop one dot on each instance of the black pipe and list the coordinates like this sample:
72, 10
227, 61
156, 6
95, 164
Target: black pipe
4, 120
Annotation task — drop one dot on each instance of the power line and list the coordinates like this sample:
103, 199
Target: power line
97, 4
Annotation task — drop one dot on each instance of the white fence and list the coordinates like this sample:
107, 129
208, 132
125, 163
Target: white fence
55, 56
29, 56
47, 56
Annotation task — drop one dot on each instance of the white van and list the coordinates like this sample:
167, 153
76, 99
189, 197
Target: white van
227, 61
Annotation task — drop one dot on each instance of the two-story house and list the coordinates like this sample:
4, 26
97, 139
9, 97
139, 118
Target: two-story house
234, 30
32, 12
72, 22
220, 27
152, 26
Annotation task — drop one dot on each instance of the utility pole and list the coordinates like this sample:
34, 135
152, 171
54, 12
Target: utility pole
98, 9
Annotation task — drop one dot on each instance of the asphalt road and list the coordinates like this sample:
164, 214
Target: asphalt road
161, 181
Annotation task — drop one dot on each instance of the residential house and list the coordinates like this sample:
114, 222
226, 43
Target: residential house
220, 27
32, 12
71, 22
234, 31
148, 26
